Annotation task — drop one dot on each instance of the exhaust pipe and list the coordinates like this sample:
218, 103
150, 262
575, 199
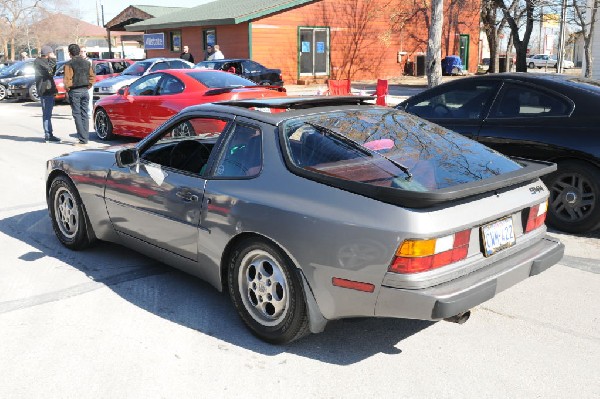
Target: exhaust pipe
460, 318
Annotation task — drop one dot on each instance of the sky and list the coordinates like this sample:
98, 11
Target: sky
113, 7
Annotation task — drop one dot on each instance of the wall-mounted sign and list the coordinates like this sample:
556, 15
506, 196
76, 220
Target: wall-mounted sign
154, 41
306, 47
320, 47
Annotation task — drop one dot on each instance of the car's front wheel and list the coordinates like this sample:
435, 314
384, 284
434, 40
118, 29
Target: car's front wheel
574, 203
67, 214
103, 125
2, 92
531, 65
33, 94
267, 292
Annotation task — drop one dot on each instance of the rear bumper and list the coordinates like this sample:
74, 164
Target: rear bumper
459, 295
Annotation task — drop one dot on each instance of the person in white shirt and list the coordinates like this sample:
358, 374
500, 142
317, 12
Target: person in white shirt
217, 54
83, 54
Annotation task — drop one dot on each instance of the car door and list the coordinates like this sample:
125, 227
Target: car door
130, 113
159, 200
460, 106
526, 121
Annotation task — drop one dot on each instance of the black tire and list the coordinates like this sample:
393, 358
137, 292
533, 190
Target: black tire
574, 203
531, 65
33, 93
267, 292
68, 215
103, 125
2, 92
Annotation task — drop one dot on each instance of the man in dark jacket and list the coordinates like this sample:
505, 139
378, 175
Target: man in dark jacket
45, 66
79, 78
186, 55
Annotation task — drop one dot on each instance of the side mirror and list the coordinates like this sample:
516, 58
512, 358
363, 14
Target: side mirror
123, 90
127, 157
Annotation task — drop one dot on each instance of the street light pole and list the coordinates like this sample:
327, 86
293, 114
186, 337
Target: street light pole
561, 37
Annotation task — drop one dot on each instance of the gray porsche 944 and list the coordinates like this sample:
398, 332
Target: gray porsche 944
313, 209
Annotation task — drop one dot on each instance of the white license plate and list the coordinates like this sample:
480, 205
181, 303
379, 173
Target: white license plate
497, 236
8, 92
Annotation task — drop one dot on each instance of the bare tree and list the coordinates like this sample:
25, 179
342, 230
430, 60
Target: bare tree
16, 13
585, 17
433, 66
513, 14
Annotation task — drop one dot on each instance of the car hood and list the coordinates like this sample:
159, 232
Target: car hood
22, 80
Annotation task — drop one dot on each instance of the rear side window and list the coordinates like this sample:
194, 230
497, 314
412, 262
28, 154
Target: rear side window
119, 66
466, 100
242, 155
179, 65
522, 102
388, 148
159, 66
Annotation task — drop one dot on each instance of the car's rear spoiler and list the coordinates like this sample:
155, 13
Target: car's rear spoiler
530, 171
221, 90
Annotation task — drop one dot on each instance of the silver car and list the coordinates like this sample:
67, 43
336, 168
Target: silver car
134, 71
313, 209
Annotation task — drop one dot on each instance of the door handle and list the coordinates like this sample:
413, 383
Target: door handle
187, 196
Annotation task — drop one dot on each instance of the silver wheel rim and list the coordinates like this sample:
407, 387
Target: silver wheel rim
101, 124
263, 288
182, 130
572, 197
66, 213
33, 93
2, 92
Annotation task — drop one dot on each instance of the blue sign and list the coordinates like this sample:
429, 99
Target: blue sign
306, 47
154, 41
320, 47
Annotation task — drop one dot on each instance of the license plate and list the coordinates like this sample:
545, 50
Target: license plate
497, 236
8, 92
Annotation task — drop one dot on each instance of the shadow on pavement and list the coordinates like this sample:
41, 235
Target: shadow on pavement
190, 302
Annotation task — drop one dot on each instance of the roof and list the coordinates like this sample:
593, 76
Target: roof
133, 14
219, 12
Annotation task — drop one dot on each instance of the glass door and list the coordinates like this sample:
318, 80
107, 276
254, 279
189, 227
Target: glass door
313, 51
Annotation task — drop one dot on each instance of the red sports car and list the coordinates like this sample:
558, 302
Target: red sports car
136, 110
105, 68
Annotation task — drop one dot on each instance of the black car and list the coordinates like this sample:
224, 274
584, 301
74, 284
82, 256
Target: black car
247, 68
547, 117
24, 88
15, 71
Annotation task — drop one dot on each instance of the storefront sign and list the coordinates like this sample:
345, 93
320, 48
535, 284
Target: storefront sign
154, 41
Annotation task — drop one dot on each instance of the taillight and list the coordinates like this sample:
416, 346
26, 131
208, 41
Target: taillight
537, 216
415, 256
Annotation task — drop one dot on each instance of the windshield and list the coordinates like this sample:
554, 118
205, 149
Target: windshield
137, 69
389, 148
11, 68
218, 79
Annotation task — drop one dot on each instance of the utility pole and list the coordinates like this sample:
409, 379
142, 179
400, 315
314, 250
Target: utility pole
561, 38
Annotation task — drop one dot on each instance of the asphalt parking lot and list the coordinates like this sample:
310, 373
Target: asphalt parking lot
107, 322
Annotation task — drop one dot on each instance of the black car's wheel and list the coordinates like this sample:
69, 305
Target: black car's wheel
531, 65
267, 292
184, 129
33, 93
574, 204
67, 214
2, 92
103, 125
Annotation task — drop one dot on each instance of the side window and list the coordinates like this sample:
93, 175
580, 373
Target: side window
187, 146
523, 102
145, 86
252, 67
119, 66
159, 66
176, 64
102, 69
242, 155
170, 85
462, 101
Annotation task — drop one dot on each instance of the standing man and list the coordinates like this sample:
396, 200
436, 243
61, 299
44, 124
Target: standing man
217, 54
186, 55
45, 66
83, 53
209, 51
79, 77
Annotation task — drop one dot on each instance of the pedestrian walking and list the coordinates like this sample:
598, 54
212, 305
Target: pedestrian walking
79, 77
45, 66
186, 55
217, 54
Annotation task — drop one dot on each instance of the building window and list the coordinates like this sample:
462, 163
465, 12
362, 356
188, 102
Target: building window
210, 37
175, 41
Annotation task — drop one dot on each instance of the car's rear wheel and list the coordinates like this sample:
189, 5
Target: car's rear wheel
67, 214
103, 125
267, 292
33, 94
574, 204
184, 129
531, 65
2, 92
